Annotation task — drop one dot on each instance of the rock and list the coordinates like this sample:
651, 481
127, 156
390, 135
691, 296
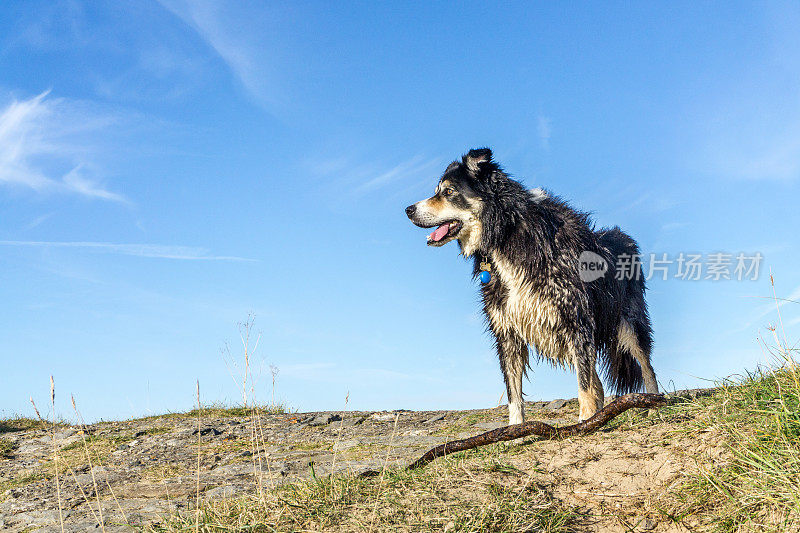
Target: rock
207, 431
101, 474
323, 419
65, 434
225, 491
488, 426
345, 444
39, 518
353, 421
556, 404
238, 469
435, 418
383, 417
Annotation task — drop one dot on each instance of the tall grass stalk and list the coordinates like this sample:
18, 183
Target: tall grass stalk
89, 461
55, 447
199, 434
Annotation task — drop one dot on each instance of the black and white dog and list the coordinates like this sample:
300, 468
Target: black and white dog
531, 243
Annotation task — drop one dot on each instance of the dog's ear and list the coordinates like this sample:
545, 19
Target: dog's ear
477, 157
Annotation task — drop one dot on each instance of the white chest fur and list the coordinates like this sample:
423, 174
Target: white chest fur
526, 311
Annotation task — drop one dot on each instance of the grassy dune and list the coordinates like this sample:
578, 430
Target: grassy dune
750, 483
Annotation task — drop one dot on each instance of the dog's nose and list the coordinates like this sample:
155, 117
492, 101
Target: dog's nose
410, 210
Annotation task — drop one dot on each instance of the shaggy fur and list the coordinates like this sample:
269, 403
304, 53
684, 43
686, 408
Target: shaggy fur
532, 241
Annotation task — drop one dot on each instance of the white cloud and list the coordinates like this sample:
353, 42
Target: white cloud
414, 167
159, 251
544, 130
78, 183
224, 31
38, 220
41, 148
351, 178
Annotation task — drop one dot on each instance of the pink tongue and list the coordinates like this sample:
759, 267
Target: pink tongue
440, 232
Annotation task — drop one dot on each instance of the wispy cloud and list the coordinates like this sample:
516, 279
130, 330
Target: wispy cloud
223, 32
410, 169
351, 178
190, 253
38, 220
544, 130
40, 147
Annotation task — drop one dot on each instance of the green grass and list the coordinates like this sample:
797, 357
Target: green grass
157, 430
6, 449
106, 440
751, 480
22, 480
20, 423
222, 410
758, 486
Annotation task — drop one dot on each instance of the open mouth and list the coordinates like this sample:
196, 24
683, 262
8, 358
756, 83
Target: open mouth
444, 233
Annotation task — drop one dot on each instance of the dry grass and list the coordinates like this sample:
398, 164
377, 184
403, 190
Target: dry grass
473, 491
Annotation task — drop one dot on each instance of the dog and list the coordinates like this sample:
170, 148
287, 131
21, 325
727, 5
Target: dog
532, 243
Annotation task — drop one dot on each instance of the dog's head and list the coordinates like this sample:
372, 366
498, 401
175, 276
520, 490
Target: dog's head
456, 207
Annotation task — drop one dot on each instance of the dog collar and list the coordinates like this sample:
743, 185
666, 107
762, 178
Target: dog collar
486, 272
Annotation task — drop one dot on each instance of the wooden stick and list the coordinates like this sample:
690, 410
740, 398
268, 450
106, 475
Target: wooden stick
546, 431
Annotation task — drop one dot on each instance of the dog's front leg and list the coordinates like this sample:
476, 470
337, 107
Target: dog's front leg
513, 353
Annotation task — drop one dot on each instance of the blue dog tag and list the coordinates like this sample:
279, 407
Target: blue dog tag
486, 277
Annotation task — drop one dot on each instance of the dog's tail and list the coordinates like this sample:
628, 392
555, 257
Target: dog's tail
622, 370
631, 330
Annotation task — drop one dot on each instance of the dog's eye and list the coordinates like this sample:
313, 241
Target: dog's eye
448, 192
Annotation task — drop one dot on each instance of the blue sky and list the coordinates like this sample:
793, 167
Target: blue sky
167, 168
